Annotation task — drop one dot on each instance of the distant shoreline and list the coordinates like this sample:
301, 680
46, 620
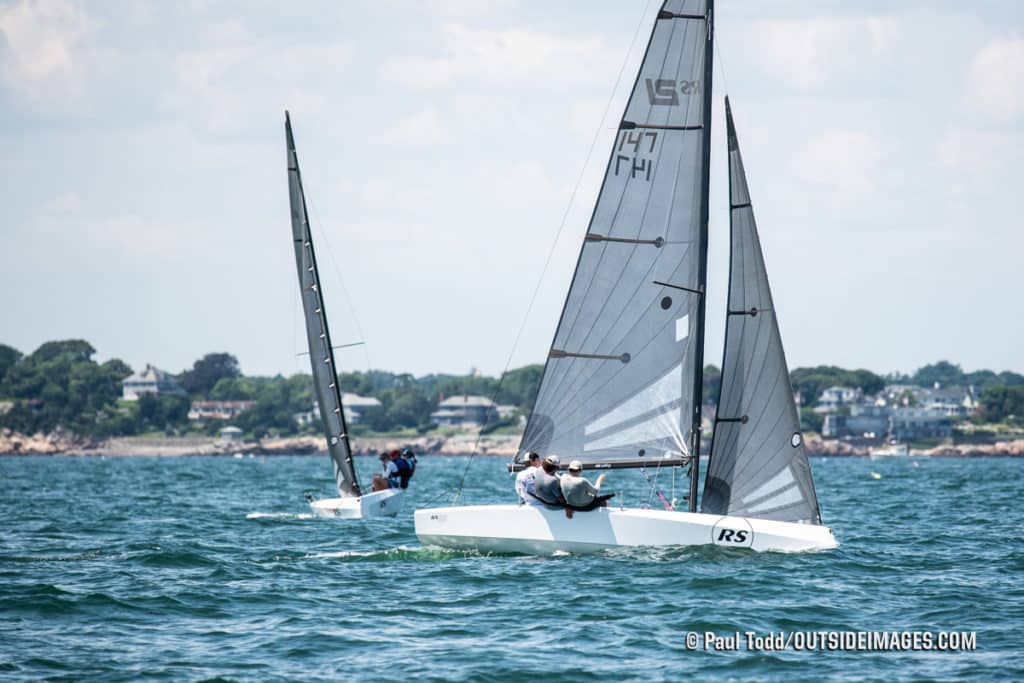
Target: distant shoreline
12, 444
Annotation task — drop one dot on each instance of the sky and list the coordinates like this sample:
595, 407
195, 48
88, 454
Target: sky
450, 150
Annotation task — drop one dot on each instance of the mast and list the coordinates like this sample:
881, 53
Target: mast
318, 336
702, 273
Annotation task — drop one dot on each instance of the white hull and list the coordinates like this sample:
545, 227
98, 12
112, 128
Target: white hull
895, 451
539, 531
378, 504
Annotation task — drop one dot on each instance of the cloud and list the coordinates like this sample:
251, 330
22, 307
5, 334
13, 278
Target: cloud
219, 88
43, 41
844, 160
424, 128
809, 53
997, 79
970, 151
505, 54
64, 233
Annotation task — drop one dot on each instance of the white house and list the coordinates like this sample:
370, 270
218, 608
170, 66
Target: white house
150, 380
356, 407
465, 411
218, 410
834, 398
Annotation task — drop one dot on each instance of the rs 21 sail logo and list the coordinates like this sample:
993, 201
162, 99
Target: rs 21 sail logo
666, 91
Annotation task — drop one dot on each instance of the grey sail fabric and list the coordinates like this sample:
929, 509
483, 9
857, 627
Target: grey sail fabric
618, 383
321, 353
758, 467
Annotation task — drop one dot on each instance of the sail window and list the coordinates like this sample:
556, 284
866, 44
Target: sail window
782, 480
657, 396
683, 328
785, 498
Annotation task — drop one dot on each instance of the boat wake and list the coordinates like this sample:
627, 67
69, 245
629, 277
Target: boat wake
280, 515
402, 553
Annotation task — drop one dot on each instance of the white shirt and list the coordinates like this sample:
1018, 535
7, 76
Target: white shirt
524, 484
391, 474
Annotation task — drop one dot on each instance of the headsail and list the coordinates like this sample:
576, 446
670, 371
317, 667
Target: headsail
619, 382
758, 467
321, 353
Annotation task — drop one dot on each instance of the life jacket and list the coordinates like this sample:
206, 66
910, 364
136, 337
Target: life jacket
405, 471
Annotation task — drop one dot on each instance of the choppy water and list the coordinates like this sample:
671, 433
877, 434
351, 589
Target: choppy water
211, 568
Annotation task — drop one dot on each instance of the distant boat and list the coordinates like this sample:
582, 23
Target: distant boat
892, 449
352, 502
622, 383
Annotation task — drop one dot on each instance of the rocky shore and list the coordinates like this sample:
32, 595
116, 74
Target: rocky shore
61, 443
13, 443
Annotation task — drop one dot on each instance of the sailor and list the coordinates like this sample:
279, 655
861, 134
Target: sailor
391, 470
380, 481
406, 466
580, 494
546, 488
525, 479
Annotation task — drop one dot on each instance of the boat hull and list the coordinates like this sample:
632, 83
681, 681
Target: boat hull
903, 452
377, 504
540, 531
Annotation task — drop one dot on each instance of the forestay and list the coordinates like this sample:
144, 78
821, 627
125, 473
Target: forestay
618, 383
758, 467
321, 353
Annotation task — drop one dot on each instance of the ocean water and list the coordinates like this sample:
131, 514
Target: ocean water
208, 568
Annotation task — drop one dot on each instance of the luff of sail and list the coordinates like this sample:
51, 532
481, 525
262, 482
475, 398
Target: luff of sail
618, 384
321, 352
758, 466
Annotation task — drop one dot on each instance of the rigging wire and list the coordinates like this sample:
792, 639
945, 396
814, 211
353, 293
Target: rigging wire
341, 280
554, 244
721, 67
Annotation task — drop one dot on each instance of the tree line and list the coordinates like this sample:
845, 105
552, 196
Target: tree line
59, 386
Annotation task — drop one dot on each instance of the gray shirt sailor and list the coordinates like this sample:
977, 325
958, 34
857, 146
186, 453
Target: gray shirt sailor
546, 487
578, 491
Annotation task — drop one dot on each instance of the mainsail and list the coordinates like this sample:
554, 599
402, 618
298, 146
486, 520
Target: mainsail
758, 467
321, 353
621, 384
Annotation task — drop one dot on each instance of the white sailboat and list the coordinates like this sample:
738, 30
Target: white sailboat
351, 502
622, 382
892, 449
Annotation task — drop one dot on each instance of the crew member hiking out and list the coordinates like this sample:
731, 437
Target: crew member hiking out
546, 488
580, 495
525, 480
406, 463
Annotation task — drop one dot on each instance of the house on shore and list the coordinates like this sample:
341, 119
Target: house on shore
218, 410
357, 409
465, 411
230, 434
835, 398
150, 380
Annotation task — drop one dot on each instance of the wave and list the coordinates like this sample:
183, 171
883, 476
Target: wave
280, 515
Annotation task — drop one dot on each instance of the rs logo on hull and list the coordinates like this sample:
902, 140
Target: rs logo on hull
734, 532
733, 535
665, 91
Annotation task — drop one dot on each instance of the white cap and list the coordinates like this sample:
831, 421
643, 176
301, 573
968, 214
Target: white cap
552, 460
575, 465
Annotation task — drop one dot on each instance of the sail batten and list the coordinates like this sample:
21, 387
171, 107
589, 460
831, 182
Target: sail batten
758, 465
321, 351
622, 330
